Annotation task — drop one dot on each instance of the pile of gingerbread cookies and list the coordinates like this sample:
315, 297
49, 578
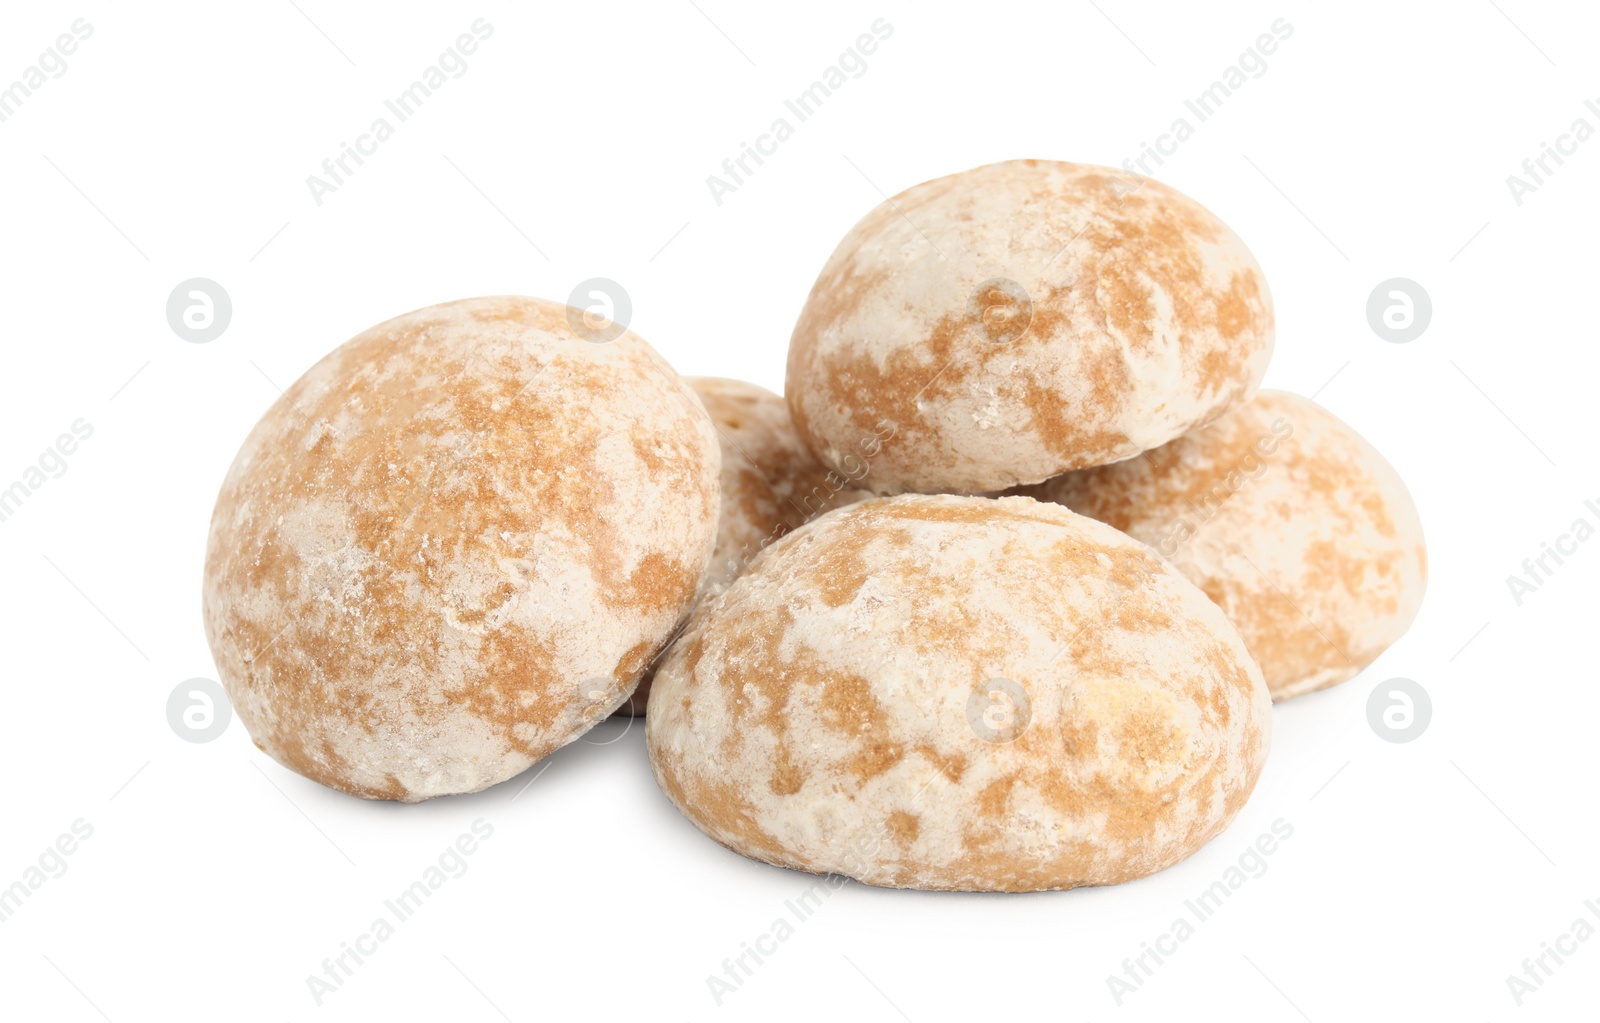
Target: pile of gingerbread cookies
997, 597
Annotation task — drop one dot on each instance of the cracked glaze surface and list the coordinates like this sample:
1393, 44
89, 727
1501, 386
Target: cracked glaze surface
1144, 314
453, 545
815, 715
1288, 519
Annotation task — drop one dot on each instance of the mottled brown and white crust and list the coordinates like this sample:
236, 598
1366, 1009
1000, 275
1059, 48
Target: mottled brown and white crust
960, 693
771, 485
1288, 519
453, 545
771, 482
1022, 319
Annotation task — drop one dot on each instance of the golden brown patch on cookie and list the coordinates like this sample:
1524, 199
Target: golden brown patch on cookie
787, 778
848, 706
1054, 420
1239, 310
903, 827
951, 766
841, 587
994, 800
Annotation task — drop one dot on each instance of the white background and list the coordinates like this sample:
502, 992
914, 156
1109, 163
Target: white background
577, 144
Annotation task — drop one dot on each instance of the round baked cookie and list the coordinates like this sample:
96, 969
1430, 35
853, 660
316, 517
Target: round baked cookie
1008, 323
960, 693
771, 485
1289, 520
453, 545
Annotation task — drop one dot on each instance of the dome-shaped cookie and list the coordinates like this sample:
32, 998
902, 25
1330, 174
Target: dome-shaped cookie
1015, 321
1289, 520
453, 545
960, 693
771, 484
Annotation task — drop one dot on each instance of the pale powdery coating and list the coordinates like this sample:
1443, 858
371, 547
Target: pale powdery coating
454, 544
815, 715
1145, 316
771, 484
1288, 519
